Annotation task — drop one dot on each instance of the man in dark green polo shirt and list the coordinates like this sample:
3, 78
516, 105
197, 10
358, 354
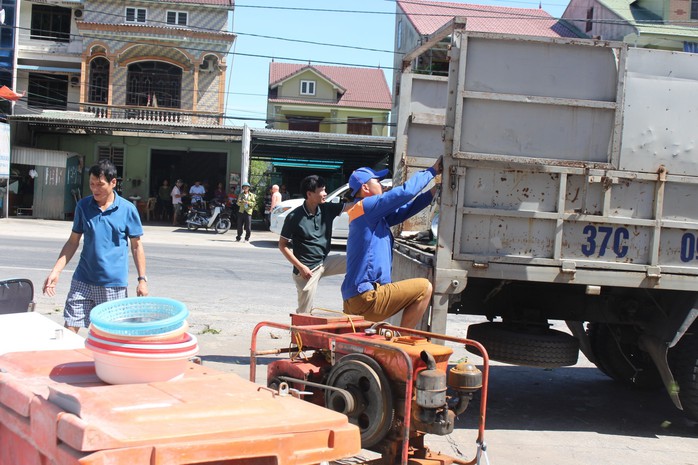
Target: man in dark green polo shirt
309, 229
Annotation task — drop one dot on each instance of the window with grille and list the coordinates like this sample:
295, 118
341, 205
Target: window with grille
177, 18
99, 80
48, 91
694, 9
154, 84
303, 124
136, 15
50, 23
307, 87
116, 156
360, 126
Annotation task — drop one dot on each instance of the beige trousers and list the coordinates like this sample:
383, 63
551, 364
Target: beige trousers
333, 264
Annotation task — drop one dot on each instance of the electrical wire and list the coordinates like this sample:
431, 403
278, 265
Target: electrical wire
465, 8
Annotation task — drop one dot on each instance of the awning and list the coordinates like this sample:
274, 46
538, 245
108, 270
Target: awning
48, 68
301, 163
40, 157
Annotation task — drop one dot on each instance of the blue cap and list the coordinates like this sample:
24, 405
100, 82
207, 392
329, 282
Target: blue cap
363, 175
245, 184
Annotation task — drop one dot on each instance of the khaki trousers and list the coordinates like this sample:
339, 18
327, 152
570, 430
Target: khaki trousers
306, 288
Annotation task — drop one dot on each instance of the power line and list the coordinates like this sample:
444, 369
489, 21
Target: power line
48, 77
465, 8
514, 16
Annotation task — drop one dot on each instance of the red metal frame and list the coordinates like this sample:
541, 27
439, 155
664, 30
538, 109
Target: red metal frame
321, 331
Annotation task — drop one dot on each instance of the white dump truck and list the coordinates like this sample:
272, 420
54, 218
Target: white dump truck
569, 193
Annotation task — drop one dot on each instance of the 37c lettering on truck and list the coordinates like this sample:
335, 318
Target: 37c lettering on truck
600, 239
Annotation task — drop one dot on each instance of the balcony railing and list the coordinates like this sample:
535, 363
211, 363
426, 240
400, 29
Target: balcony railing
32, 43
152, 115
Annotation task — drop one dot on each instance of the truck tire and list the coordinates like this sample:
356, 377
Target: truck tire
619, 356
519, 345
683, 360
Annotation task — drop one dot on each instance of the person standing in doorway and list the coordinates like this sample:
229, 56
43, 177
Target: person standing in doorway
275, 200
267, 208
164, 201
197, 192
284, 195
247, 202
109, 224
219, 195
177, 195
309, 230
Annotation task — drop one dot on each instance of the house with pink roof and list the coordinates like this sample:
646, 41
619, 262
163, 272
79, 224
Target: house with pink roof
330, 99
663, 24
416, 20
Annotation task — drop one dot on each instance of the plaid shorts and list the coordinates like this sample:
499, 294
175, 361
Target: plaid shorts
83, 297
387, 299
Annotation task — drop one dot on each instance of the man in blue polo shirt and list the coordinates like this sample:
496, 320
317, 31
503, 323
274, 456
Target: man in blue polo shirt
109, 223
368, 289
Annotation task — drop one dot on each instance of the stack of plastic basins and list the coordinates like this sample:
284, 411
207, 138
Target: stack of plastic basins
140, 340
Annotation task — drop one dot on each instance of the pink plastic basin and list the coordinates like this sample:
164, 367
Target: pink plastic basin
118, 367
186, 344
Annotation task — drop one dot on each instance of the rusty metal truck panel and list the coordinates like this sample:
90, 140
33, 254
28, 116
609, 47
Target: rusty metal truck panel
559, 161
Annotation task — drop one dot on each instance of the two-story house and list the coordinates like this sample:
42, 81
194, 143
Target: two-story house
139, 82
336, 99
115, 58
664, 24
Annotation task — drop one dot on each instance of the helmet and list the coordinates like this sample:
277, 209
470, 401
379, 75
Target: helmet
245, 184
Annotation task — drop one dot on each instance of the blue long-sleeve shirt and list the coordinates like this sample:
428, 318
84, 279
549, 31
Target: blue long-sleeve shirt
370, 242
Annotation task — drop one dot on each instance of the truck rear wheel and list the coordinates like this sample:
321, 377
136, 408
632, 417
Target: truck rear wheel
619, 356
519, 345
683, 360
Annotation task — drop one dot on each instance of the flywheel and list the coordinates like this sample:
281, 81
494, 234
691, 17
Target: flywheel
366, 382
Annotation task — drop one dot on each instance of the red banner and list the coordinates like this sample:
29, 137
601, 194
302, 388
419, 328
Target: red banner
9, 94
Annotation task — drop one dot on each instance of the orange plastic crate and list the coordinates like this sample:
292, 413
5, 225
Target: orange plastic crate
54, 409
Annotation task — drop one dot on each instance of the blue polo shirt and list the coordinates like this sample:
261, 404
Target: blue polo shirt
104, 257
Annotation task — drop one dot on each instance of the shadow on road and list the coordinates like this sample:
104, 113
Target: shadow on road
264, 244
575, 399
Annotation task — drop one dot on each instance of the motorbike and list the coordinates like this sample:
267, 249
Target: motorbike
217, 216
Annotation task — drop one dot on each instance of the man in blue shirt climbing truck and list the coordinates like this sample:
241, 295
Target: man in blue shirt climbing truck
109, 224
368, 289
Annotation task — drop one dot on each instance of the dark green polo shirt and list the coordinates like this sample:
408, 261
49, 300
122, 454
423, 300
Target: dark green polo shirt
311, 235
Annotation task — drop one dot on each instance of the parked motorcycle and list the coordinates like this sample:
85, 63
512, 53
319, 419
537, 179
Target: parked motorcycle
217, 217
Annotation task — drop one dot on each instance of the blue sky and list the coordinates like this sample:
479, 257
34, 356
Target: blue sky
329, 38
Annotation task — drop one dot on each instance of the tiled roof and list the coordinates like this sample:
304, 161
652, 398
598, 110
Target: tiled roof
155, 28
202, 2
647, 22
428, 16
365, 87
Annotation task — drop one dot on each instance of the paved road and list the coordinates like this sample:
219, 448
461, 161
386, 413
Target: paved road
572, 415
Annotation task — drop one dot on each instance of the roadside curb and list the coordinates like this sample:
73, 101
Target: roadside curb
159, 233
